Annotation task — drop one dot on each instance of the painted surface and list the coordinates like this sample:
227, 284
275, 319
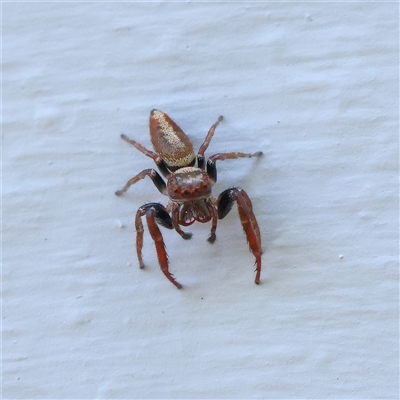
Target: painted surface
312, 85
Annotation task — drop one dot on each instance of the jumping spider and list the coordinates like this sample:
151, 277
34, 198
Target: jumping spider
188, 189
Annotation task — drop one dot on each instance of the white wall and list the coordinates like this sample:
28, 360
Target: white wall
313, 85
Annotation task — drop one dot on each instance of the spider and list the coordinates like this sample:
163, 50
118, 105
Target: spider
189, 190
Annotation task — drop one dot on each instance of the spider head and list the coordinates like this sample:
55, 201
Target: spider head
188, 184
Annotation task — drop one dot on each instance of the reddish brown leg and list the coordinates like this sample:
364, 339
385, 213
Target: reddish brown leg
247, 218
157, 159
141, 148
154, 176
209, 136
233, 155
213, 212
206, 143
139, 236
155, 213
211, 167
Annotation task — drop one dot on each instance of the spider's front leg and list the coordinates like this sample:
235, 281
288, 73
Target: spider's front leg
247, 218
155, 214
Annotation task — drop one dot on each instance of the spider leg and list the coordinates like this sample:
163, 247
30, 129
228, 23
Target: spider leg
155, 214
211, 239
207, 140
162, 166
154, 176
211, 167
247, 218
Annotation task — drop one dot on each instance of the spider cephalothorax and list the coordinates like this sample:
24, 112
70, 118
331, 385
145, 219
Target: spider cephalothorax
189, 190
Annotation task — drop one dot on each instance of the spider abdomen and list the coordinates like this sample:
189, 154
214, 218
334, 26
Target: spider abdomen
170, 142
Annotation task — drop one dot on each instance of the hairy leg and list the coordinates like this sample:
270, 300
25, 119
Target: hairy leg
214, 215
155, 214
211, 167
154, 176
206, 143
247, 218
156, 158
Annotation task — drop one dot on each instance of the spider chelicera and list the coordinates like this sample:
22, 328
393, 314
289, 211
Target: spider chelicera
189, 190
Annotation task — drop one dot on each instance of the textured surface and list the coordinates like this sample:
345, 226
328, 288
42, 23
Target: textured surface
313, 85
